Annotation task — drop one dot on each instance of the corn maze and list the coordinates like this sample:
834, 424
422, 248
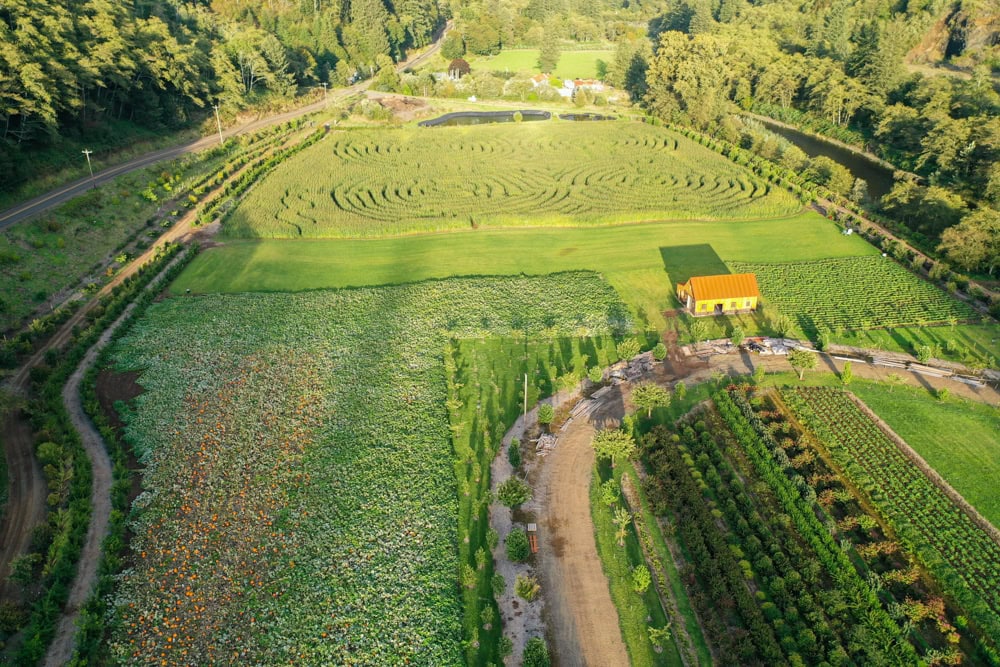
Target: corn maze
854, 293
365, 183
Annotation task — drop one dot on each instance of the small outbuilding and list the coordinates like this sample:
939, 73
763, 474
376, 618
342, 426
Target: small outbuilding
718, 295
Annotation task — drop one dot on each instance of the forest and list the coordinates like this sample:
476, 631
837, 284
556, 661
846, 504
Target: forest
105, 71
914, 82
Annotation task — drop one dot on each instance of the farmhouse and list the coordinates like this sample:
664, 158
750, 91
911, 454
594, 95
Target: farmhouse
715, 295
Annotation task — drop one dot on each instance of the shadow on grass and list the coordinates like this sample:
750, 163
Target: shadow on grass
683, 261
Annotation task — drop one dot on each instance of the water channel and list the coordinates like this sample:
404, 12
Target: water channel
877, 176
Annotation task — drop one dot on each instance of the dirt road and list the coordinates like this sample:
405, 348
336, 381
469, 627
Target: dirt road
582, 619
25, 500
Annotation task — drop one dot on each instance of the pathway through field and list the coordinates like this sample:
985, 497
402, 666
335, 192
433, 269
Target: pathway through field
583, 621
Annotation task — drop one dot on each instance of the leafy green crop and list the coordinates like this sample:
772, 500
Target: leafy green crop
301, 501
958, 551
854, 293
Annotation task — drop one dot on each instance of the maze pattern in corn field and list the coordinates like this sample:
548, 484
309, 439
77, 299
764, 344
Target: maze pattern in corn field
381, 182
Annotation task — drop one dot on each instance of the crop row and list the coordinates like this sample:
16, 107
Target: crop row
950, 543
885, 641
368, 184
301, 502
854, 293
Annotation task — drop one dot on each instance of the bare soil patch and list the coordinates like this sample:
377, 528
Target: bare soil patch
113, 387
26, 496
403, 108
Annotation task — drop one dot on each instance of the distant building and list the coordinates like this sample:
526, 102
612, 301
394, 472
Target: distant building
458, 68
717, 295
569, 86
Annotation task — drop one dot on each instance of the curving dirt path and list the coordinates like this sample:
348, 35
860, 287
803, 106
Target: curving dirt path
61, 648
582, 619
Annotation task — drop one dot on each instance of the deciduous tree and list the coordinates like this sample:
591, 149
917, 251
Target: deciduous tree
613, 444
801, 361
649, 396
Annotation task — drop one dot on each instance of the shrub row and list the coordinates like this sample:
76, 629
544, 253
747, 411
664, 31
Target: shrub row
51, 423
799, 504
92, 620
239, 186
716, 568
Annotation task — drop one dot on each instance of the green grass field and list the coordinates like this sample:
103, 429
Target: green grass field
958, 438
364, 183
641, 261
636, 611
572, 64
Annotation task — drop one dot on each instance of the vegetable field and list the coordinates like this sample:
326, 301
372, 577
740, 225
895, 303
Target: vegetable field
301, 502
854, 293
366, 183
739, 517
952, 545
960, 439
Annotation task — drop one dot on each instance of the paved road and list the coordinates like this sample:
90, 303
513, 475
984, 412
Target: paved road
64, 193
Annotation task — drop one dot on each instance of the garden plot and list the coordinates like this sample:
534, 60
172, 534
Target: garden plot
854, 293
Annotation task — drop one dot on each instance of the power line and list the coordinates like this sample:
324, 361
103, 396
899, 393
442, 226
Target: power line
87, 152
218, 122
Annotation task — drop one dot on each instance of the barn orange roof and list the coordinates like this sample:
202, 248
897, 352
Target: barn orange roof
729, 286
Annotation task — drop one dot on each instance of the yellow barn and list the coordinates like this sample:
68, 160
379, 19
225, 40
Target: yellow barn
716, 295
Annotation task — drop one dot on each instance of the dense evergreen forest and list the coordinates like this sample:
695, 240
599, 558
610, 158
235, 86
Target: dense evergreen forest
102, 68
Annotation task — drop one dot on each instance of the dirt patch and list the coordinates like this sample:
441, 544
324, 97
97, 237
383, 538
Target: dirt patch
113, 387
26, 496
403, 108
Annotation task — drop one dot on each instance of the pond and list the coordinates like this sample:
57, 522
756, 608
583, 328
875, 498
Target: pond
585, 116
877, 176
481, 117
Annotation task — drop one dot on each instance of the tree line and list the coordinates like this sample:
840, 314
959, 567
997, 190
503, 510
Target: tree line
840, 69
89, 68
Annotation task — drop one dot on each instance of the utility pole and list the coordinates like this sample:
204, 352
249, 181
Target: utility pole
218, 123
87, 152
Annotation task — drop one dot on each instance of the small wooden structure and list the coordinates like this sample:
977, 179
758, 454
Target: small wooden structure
718, 295
533, 537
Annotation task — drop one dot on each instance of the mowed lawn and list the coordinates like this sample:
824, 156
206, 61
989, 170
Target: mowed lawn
641, 261
958, 438
572, 64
